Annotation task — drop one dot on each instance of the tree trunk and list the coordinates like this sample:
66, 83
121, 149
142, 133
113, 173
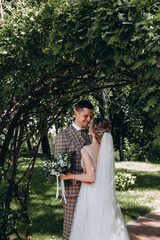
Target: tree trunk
9, 135
121, 136
121, 154
101, 103
105, 93
45, 145
28, 141
1, 9
29, 145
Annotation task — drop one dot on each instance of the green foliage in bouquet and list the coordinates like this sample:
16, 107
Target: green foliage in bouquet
59, 164
124, 181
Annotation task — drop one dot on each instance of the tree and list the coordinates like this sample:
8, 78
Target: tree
133, 129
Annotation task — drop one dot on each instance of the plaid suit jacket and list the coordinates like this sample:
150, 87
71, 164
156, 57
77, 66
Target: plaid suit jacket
71, 140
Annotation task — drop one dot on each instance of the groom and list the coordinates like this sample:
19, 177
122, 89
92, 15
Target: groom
73, 139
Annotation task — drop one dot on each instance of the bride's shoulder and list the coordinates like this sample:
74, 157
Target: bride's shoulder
85, 149
88, 146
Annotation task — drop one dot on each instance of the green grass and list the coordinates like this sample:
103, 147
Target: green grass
143, 198
46, 213
45, 210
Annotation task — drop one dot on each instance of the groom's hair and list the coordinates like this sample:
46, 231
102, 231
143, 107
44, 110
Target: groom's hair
83, 104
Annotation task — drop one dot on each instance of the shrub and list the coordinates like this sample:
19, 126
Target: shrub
124, 181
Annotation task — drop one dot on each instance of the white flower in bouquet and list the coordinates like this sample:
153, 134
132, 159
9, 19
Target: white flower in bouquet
59, 164
52, 172
53, 164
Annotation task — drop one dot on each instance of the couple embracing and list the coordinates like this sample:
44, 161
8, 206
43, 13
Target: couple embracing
92, 211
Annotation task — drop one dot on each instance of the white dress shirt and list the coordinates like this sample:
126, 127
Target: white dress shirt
76, 126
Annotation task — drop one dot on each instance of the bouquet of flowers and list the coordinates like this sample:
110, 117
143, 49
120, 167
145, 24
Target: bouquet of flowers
60, 164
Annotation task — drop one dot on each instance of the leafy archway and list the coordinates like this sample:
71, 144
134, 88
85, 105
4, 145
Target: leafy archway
53, 54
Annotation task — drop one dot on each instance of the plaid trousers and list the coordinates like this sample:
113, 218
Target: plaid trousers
68, 212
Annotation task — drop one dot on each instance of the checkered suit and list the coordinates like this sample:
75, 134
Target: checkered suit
66, 141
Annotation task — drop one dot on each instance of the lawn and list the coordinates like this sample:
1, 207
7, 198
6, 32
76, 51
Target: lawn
46, 212
146, 193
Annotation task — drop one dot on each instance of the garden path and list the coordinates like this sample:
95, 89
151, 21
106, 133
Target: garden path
146, 227
138, 166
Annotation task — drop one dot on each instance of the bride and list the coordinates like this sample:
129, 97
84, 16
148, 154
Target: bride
97, 215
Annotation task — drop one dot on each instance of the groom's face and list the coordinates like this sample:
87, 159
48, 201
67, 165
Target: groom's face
83, 117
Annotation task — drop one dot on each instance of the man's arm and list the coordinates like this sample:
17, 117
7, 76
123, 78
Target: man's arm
60, 143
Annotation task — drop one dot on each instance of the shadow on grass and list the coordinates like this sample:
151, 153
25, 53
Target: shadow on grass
148, 180
48, 222
46, 213
134, 211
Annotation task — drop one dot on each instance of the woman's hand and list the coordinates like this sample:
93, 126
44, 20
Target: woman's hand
67, 176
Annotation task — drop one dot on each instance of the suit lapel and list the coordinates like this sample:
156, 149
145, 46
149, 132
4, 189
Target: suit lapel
76, 136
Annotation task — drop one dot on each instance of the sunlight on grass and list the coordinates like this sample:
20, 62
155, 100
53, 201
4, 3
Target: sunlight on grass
145, 195
137, 203
46, 212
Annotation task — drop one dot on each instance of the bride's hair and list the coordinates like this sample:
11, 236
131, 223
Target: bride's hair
99, 127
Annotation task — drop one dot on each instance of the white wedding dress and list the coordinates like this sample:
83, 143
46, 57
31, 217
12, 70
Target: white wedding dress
98, 215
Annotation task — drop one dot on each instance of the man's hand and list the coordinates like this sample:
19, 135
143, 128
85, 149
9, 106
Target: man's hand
89, 183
